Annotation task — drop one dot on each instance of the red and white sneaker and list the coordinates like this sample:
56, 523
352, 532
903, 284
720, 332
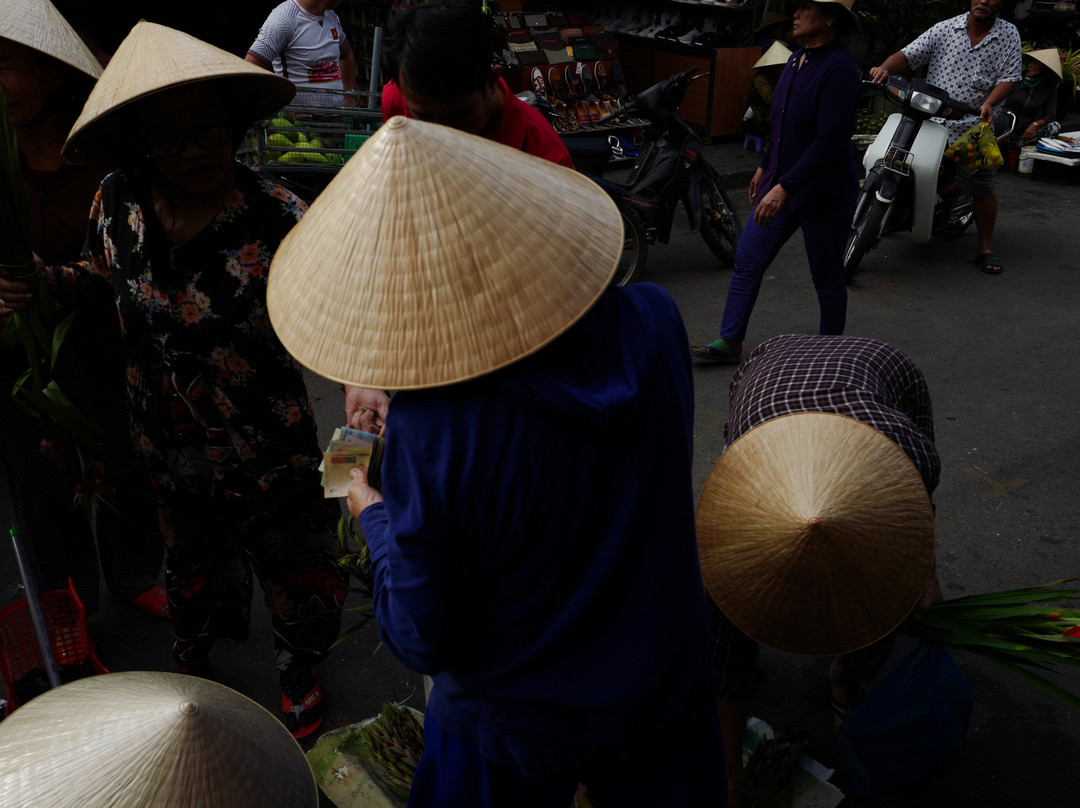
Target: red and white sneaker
302, 717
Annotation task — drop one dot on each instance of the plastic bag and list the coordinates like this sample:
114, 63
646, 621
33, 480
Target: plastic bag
911, 727
976, 149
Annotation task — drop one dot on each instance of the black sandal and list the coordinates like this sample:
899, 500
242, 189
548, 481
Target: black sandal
989, 263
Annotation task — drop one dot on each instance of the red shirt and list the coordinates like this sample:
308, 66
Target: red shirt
521, 127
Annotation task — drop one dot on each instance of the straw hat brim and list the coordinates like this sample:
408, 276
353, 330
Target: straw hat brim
816, 534
153, 59
1049, 58
777, 55
844, 4
37, 24
436, 256
134, 739
771, 19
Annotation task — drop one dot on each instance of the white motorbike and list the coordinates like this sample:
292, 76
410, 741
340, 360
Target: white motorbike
908, 185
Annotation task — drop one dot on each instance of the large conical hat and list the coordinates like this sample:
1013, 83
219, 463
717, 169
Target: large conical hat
38, 25
771, 19
816, 534
777, 54
1048, 57
140, 739
436, 256
846, 4
153, 58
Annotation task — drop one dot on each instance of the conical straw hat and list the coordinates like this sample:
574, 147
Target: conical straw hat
38, 25
139, 739
437, 256
777, 54
847, 5
816, 534
771, 19
1048, 57
153, 58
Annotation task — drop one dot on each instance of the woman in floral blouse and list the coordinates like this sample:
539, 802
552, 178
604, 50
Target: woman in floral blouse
182, 238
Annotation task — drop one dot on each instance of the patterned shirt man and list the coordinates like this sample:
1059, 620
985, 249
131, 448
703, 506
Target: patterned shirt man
967, 73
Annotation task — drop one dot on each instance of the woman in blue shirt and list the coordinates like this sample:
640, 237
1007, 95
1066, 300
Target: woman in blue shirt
807, 177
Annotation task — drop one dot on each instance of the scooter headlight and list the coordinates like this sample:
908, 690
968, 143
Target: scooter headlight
926, 103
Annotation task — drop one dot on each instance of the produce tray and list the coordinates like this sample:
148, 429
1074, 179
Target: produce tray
312, 137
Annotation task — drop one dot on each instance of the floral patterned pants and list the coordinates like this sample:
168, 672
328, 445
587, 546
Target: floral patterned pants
212, 549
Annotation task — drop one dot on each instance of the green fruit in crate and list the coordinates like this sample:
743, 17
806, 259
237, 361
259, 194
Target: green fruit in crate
283, 122
273, 155
293, 157
316, 143
314, 157
301, 138
278, 140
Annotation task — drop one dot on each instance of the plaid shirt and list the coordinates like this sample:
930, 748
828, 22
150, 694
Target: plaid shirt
865, 379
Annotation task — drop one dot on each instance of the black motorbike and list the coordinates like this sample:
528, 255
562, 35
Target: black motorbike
670, 168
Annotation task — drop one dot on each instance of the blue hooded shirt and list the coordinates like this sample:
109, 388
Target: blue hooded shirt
536, 551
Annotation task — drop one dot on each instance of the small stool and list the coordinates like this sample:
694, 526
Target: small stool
755, 139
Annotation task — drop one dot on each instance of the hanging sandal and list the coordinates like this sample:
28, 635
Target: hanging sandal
717, 351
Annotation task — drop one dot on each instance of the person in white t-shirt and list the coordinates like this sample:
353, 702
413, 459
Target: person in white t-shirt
303, 41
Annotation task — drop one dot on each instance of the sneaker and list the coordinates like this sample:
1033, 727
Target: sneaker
154, 602
302, 702
538, 85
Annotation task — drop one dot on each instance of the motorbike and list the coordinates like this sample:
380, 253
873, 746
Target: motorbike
909, 185
670, 168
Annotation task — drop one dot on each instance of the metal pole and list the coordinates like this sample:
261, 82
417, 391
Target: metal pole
376, 65
40, 629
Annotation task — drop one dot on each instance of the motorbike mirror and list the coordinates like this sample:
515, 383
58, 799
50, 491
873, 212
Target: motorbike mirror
1003, 125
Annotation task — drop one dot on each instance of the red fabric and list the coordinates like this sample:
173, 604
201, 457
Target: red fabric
521, 127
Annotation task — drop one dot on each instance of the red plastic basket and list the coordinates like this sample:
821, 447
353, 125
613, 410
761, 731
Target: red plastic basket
65, 620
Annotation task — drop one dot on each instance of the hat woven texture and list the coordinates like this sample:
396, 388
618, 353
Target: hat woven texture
777, 54
140, 739
436, 256
38, 25
847, 4
153, 58
816, 534
1048, 57
771, 19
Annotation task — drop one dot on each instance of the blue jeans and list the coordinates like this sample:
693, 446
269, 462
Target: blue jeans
824, 235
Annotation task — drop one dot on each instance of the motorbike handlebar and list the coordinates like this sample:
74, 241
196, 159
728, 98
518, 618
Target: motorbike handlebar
893, 84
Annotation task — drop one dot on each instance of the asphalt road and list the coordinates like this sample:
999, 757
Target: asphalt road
999, 355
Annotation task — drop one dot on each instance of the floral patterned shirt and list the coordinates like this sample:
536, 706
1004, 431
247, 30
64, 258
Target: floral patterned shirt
218, 404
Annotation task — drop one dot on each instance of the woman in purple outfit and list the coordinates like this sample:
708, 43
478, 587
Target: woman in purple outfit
807, 177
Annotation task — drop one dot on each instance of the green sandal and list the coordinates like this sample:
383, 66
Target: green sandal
716, 351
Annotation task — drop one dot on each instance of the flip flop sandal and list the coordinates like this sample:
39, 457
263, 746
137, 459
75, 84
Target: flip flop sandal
989, 263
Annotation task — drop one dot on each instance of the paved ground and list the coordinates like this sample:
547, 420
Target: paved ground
999, 354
